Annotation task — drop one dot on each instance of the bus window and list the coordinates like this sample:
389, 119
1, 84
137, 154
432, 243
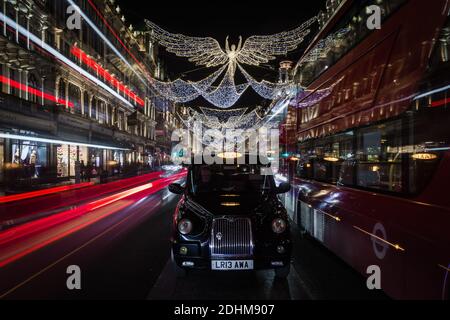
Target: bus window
429, 141
305, 165
346, 35
321, 159
431, 116
379, 157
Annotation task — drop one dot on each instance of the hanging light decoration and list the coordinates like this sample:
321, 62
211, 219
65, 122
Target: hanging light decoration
323, 47
308, 98
227, 93
183, 91
266, 89
255, 51
223, 115
224, 119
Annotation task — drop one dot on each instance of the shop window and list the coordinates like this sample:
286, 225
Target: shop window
66, 158
31, 157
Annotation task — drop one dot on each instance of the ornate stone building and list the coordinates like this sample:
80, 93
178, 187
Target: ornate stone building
73, 93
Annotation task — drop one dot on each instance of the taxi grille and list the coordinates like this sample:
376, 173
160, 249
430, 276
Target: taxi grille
231, 237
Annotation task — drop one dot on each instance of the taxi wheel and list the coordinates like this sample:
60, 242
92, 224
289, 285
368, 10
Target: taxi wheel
282, 273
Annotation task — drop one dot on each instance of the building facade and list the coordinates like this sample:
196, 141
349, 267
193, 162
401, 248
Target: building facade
75, 89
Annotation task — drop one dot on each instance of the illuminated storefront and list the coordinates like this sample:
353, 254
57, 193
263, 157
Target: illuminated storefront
30, 156
66, 158
2, 162
24, 158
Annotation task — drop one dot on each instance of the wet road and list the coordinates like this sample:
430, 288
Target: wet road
126, 256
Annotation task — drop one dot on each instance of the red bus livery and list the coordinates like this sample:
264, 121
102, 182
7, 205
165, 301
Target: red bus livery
371, 164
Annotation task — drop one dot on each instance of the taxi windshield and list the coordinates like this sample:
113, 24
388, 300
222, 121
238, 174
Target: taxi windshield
230, 179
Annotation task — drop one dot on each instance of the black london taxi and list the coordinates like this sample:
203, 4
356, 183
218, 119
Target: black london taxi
230, 218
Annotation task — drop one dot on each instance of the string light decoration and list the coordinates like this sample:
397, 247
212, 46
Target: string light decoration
207, 52
227, 93
266, 89
183, 91
223, 115
227, 119
307, 98
255, 51
323, 47
249, 120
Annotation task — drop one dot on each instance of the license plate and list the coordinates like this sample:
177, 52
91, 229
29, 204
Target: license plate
225, 265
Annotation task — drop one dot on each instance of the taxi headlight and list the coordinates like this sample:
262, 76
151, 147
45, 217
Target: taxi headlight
279, 225
185, 226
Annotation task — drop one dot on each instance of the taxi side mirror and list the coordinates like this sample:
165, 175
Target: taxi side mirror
176, 188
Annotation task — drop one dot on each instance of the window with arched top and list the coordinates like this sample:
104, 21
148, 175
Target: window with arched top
75, 97
101, 111
33, 83
86, 103
14, 76
94, 108
62, 89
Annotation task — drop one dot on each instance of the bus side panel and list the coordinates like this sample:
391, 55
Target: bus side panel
347, 231
366, 229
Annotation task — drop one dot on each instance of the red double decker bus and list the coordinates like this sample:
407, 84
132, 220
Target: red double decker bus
371, 142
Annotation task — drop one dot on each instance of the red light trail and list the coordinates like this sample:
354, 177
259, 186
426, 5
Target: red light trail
28, 238
26, 205
45, 192
440, 103
35, 92
105, 74
118, 39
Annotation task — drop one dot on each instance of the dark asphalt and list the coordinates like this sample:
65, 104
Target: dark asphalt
127, 256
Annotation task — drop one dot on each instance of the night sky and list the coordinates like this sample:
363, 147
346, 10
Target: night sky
218, 19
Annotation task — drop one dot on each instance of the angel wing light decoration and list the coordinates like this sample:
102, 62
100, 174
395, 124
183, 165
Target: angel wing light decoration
255, 51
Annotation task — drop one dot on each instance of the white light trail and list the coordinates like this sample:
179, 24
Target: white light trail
281, 109
62, 58
52, 141
110, 45
429, 93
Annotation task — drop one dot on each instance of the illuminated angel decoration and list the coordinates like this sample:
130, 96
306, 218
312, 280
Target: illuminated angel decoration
254, 51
